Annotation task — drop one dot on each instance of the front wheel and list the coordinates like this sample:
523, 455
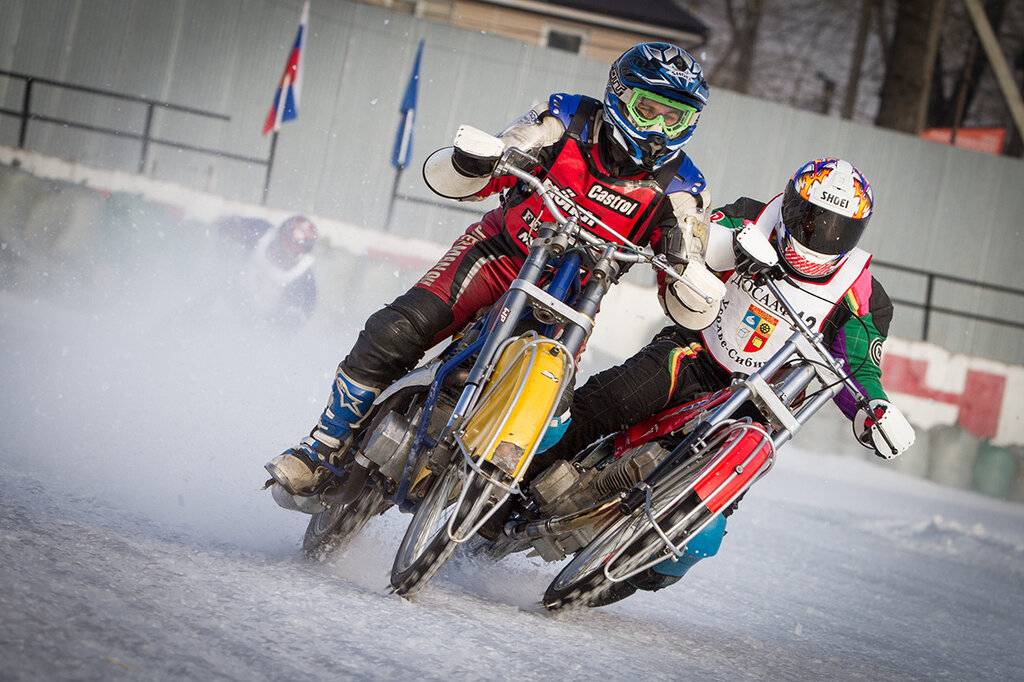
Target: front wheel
583, 580
426, 544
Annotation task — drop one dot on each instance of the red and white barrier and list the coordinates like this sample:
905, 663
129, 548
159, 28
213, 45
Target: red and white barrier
933, 386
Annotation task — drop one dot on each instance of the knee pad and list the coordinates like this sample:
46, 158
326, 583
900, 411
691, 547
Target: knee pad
395, 338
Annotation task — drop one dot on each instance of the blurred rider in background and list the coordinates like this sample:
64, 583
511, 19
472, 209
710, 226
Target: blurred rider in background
620, 159
276, 281
814, 225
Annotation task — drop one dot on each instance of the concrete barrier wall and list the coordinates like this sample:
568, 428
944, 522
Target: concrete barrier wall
76, 234
939, 208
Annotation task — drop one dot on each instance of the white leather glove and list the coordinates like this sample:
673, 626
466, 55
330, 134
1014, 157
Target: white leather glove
476, 152
694, 301
460, 171
884, 418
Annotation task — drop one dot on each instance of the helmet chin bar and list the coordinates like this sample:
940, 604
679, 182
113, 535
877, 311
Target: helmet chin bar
803, 261
637, 154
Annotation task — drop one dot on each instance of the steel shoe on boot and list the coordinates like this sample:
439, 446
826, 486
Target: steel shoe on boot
300, 469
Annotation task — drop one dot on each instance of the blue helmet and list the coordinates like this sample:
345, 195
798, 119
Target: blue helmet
654, 97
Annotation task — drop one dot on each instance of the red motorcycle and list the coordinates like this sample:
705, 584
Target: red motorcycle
635, 499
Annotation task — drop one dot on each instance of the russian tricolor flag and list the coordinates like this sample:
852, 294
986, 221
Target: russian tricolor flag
286, 99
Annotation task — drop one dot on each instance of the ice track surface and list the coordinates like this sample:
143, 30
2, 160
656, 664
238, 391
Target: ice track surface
134, 543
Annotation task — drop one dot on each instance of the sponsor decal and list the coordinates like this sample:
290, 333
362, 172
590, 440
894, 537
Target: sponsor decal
875, 351
461, 245
764, 298
615, 84
756, 329
563, 197
613, 200
716, 216
835, 200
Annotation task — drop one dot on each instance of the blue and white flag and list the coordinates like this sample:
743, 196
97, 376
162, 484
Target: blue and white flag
401, 155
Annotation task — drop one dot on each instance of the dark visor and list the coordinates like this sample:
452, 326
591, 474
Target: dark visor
817, 228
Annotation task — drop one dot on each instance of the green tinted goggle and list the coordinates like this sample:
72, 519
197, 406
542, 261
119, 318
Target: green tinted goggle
647, 109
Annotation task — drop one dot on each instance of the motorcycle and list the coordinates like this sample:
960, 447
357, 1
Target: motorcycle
451, 440
635, 499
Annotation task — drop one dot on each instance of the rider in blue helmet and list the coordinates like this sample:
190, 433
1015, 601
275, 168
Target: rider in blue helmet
621, 160
654, 97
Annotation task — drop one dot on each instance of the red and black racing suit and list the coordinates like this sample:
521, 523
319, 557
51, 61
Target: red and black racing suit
483, 262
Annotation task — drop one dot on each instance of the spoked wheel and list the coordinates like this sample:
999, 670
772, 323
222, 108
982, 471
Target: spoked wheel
332, 529
426, 545
583, 579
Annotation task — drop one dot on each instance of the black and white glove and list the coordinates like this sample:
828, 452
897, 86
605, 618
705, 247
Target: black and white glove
476, 153
694, 301
884, 417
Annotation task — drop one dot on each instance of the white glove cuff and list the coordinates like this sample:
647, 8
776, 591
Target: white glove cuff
442, 178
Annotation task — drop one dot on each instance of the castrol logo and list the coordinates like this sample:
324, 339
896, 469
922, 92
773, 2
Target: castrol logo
620, 204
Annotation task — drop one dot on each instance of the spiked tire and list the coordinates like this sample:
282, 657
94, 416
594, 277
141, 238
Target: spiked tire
333, 528
426, 545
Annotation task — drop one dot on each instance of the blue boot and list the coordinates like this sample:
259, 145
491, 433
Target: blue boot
702, 546
299, 469
668, 572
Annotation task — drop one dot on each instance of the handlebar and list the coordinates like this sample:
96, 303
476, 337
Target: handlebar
517, 163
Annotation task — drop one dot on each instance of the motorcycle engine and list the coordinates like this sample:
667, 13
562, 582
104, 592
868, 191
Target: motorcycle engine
564, 489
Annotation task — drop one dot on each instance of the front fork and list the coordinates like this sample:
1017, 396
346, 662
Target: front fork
577, 320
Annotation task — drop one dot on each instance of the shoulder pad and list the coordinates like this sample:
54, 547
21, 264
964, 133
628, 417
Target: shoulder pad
562, 106
688, 178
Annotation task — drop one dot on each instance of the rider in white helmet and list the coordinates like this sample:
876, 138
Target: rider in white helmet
815, 225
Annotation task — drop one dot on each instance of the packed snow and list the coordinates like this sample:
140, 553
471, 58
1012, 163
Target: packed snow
136, 543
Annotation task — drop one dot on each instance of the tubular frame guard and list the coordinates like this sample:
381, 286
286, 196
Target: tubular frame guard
746, 453
509, 421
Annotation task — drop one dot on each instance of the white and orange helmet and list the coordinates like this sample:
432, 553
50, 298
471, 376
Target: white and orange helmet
825, 209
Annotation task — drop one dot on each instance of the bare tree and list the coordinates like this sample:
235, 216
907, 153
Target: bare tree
744, 26
910, 66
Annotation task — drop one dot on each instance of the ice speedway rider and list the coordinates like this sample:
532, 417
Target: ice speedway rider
815, 225
621, 161
276, 276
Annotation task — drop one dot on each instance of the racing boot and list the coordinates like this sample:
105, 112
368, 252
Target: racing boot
300, 469
705, 544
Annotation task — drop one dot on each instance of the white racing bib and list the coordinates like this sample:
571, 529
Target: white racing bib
751, 326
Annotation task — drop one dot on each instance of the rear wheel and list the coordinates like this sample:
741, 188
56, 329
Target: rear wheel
332, 529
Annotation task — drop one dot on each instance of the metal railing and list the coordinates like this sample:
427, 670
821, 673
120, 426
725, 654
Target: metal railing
929, 307
146, 138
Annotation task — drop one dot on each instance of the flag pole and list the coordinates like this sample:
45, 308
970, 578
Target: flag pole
401, 153
270, 167
394, 198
